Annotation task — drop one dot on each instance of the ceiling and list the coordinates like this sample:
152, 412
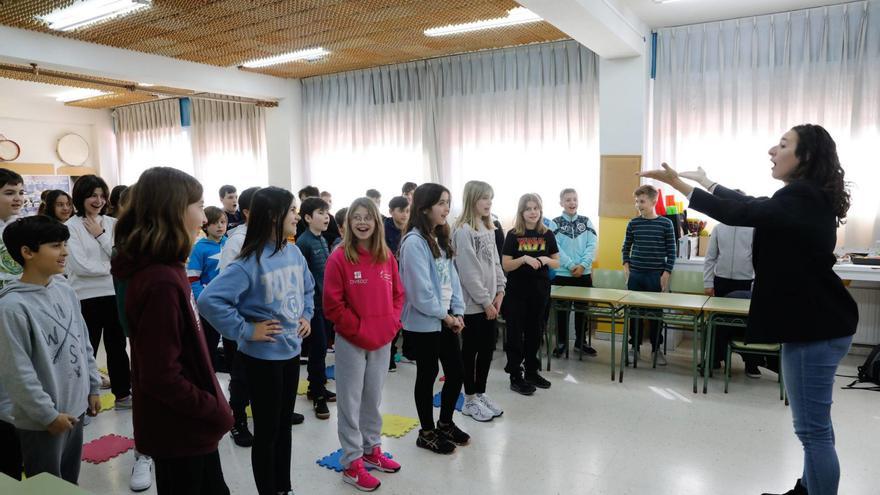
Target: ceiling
683, 12
358, 33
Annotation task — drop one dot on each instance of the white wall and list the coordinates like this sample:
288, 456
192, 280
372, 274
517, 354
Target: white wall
284, 140
623, 105
37, 124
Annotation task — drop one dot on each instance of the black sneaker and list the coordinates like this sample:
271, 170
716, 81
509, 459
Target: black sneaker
590, 351
537, 380
436, 443
321, 409
752, 371
241, 435
297, 419
453, 434
521, 386
559, 350
330, 396
392, 367
799, 489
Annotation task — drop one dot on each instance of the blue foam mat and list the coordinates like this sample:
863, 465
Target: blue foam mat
332, 461
458, 404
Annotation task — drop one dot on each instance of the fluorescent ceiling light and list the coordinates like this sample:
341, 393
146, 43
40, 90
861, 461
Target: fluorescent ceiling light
310, 55
519, 15
146, 85
78, 94
665, 1
87, 12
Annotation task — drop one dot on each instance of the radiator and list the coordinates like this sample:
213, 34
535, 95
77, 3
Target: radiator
868, 299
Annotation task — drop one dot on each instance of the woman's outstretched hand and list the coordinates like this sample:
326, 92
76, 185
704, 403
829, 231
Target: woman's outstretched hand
669, 176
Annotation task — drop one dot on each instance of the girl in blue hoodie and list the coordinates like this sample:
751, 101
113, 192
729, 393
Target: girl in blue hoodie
432, 315
264, 300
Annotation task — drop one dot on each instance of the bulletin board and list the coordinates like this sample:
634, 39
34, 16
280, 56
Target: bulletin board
617, 182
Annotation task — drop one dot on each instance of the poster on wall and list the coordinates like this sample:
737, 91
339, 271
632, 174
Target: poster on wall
34, 185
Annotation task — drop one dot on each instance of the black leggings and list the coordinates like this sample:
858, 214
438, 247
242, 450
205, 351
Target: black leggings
238, 390
194, 475
101, 316
429, 347
272, 386
10, 453
525, 315
477, 347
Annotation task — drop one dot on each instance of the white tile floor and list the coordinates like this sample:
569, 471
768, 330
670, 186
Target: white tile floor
649, 435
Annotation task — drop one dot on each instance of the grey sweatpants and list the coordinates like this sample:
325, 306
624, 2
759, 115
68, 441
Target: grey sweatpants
58, 455
360, 376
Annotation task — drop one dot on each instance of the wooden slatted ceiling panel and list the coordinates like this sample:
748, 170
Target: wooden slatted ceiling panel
359, 33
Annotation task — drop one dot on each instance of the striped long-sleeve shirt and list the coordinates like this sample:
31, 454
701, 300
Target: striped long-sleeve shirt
649, 244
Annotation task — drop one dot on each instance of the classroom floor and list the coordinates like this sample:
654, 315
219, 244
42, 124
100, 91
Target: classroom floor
648, 435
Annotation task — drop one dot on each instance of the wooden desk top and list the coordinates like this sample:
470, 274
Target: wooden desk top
728, 306
667, 300
587, 294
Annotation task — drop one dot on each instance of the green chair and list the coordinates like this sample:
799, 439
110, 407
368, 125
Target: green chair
741, 347
686, 282
609, 279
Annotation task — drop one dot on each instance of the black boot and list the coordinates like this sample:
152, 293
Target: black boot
799, 489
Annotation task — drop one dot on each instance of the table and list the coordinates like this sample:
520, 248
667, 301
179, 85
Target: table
686, 309
726, 311
591, 301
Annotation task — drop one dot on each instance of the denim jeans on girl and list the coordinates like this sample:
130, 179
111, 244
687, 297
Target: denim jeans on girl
808, 369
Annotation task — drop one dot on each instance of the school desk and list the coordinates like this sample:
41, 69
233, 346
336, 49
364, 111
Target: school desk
724, 311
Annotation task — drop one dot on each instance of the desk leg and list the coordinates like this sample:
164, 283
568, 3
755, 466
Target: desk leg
707, 356
550, 327
624, 344
694, 349
613, 338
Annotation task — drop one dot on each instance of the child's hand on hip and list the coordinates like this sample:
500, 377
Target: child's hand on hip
264, 330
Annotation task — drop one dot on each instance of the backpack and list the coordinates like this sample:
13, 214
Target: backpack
869, 372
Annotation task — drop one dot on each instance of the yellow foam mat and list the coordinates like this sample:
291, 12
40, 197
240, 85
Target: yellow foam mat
108, 401
397, 426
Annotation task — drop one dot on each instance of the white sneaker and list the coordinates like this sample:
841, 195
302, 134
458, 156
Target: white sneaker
490, 405
661, 358
141, 473
476, 410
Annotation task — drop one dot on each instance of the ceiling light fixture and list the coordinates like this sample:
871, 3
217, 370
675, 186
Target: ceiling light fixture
309, 55
519, 15
78, 94
88, 12
661, 2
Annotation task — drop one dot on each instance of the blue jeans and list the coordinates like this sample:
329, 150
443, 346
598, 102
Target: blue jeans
809, 368
645, 281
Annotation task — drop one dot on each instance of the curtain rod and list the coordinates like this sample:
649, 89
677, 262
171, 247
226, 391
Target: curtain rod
865, 2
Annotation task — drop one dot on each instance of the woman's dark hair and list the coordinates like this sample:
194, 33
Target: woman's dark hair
83, 189
268, 209
424, 197
115, 196
153, 229
48, 206
820, 165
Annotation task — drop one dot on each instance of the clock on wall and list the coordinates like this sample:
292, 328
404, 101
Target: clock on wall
73, 149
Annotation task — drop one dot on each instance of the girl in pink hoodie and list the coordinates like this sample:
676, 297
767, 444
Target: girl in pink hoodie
363, 297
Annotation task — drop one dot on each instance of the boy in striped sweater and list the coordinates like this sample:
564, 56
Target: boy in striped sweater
648, 259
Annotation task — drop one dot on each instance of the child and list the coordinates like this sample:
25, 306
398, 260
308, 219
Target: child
115, 199
529, 253
11, 201
40, 321
431, 317
315, 250
407, 190
58, 205
181, 413
482, 283
326, 196
375, 196
363, 296
648, 259
394, 227
229, 198
264, 300
90, 247
202, 266
576, 238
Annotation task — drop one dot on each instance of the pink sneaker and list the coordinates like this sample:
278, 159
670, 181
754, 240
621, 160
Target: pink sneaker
378, 460
357, 475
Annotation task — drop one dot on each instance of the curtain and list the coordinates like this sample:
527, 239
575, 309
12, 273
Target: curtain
228, 146
726, 91
150, 135
523, 119
225, 144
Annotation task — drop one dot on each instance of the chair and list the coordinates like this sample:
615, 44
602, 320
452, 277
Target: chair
609, 279
741, 347
686, 282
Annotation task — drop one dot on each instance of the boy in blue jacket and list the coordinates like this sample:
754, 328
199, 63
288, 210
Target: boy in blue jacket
203, 266
577, 240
